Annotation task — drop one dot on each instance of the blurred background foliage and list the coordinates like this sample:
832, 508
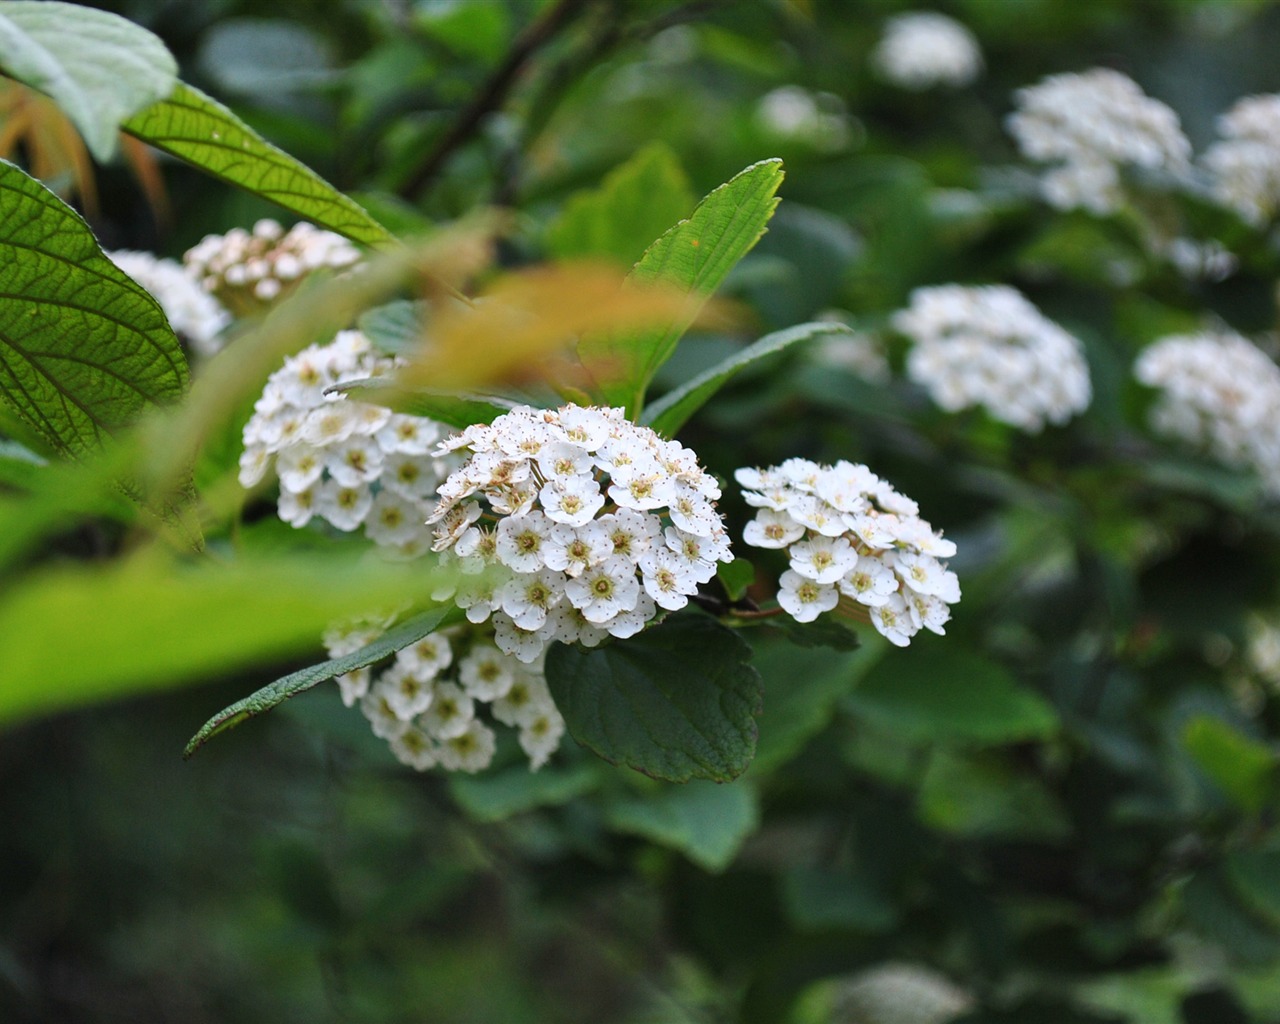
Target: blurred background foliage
1064, 811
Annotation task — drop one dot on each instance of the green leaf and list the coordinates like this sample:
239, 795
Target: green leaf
83, 347
670, 412
819, 899
677, 702
824, 631
408, 632
203, 132
1242, 767
1211, 906
1255, 877
18, 463
736, 577
934, 692
98, 67
456, 408
705, 821
635, 204
396, 328
151, 622
695, 256
802, 687
495, 796
982, 796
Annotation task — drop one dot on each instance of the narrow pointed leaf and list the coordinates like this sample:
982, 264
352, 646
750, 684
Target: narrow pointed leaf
408, 632
201, 131
669, 413
677, 702
694, 257
83, 347
99, 67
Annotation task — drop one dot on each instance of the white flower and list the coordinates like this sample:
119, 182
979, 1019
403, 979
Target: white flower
1244, 165
382, 716
470, 750
1220, 392
344, 507
989, 346
520, 541
1091, 125
529, 596
394, 520
604, 590
805, 599
428, 657
354, 685
540, 736
193, 313
486, 673
924, 49
406, 693
415, 748
449, 713
884, 561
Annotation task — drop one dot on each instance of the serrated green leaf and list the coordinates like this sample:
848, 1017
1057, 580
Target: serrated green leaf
495, 796
204, 133
83, 347
935, 693
1243, 768
677, 702
457, 409
695, 256
98, 67
151, 622
705, 821
408, 632
635, 204
670, 412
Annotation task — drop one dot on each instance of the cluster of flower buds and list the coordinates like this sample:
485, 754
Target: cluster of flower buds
989, 346
850, 537
195, 315
574, 525
249, 270
350, 463
426, 703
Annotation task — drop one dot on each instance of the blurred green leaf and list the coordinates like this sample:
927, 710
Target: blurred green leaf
635, 204
149, 622
473, 30
677, 702
83, 347
395, 328
982, 796
1211, 906
1254, 876
266, 58
456, 408
1242, 767
694, 257
408, 632
204, 133
18, 463
99, 67
705, 821
497, 795
932, 693
670, 412
736, 577
822, 899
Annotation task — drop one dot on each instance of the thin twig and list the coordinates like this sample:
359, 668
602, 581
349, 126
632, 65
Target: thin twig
493, 93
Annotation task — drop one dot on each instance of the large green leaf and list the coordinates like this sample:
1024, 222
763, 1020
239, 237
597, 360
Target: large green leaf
1243, 767
85, 633
408, 632
695, 256
934, 693
83, 347
704, 821
203, 132
677, 702
669, 413
635, 204
99, 67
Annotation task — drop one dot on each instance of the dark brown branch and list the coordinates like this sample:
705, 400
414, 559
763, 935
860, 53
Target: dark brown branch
494, 92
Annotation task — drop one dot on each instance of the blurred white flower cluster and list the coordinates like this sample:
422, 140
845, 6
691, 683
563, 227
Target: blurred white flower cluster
426, 703
349, 463
848, 534
989, 346
858, 353
248, 270
193, 313
573, 525
1091, 125
1244, 165
923, 49
793, 113
1221, 392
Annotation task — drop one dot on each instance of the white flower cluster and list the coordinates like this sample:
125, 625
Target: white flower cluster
426, 703
573, 525
989, 346
923, 49
858, 353
349, 463
793, 113
193, 313
849, 534
1244, 165
1219, 391
1091, 125
248, 270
